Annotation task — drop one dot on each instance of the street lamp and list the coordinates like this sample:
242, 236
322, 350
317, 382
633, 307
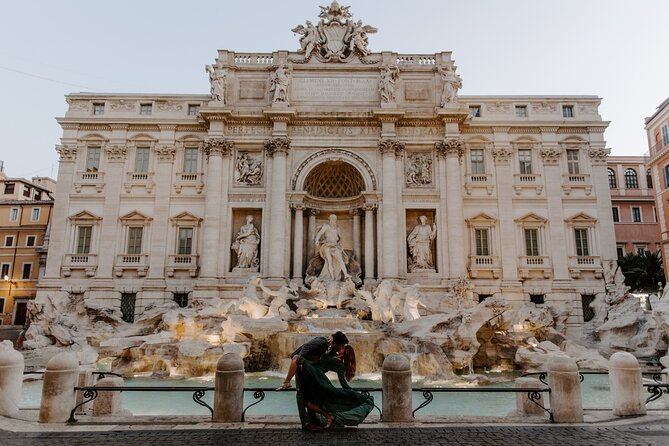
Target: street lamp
9, 292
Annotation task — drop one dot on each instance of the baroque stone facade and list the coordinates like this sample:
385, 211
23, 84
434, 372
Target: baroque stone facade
151, 197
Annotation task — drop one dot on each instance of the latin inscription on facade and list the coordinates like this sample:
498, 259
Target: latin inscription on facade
247, 130
324, 130
319, 89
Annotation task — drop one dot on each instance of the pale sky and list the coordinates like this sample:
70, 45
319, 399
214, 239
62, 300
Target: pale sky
616, 49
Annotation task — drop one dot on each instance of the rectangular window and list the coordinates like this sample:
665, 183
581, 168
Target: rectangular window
616, 214
525, 161
521, 111
30, 240
9, 240
193, 109
93, 159
636, 215
84, 239
537, 299
582, 247
482, 242
476, 158
572, 162
128, 306
135, 240
98, 108
13, 214
531, 242
26, 192
37, 196
142, 159
666, 176
654, 215
2, 307
483, 297
190, 159
34, 215
9, 188
640, 249
26, 271
665, 135
4, 270
145, 109
620, 251
185, 241
475, 111
567, 111
181, 299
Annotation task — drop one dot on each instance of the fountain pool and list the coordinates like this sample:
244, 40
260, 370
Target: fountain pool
595, 395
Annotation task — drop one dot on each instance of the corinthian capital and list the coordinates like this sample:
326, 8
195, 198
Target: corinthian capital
551, 155
598, 156
116, 153
277, 145
217, 146
165, 152
67, 153
450, 147
391, 146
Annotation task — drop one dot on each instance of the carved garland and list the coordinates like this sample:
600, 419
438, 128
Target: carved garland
277, 145
217, 146
334, 154
391, 146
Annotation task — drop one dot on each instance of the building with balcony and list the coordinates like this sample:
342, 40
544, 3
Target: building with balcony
25, 213
633, 204
657, 131
153, 190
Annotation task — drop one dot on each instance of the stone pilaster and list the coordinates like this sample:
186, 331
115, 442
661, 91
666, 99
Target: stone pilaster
599, 177
160, 237
390, 149
369, 241
357, 248
298, 242
502, 156
277, 149
311, 232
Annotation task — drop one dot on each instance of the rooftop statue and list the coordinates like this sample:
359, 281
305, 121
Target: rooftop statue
335, 38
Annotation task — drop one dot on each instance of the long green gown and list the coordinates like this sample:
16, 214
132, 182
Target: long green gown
348, 406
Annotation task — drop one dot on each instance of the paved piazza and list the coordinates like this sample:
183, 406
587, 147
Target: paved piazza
657, 434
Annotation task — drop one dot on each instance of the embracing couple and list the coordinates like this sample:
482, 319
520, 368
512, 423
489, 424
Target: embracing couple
320, 404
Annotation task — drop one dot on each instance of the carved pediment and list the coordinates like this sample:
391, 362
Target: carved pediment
186, 217
84, 217
481, 218
531, 218
135, 217
581, 218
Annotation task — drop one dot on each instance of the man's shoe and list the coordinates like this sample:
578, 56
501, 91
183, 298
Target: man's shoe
312, 428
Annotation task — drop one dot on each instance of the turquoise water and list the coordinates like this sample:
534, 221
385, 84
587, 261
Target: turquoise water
595, 393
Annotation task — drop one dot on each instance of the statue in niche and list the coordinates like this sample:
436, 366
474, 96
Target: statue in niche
387, 82
279, 84
246, 245
420, 245
331, 263
452, 83
217, 83
247, 170
419, 170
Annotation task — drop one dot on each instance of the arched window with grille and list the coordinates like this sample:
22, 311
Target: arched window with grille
649, 179
631, 180
612, 179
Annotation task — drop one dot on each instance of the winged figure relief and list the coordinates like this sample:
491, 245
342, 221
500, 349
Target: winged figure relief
356, 36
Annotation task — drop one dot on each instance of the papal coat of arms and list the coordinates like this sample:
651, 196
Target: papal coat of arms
336, 38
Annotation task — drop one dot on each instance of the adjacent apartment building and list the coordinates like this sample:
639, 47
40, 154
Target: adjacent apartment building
25, 213
657, 130
633, 205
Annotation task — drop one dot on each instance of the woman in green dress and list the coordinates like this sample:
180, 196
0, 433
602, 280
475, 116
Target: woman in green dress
336, 406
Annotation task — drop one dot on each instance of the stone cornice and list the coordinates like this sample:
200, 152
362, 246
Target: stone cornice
451, 146
391, 146
279, 115
388, 115
119, 126
276, 146
217, 147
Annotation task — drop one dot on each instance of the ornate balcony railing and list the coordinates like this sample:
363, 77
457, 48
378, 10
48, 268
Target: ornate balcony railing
182, 262
88, 262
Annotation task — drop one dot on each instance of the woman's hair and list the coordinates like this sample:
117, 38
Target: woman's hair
339, 338
348, 358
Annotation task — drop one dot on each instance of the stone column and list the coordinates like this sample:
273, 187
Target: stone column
298, 242
215, 149
565, 385
390, 150
311, 232
600, 180
369, 241
453, 150
229, 389
277, 149
62, 372
357, 248
396, 386
626, 385
11, 379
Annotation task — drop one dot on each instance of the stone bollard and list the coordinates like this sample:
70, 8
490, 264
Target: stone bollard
565, 385
85, 379
11, 379
58, 396
525, 406
396, 386
229, 391
108, 403
626, 385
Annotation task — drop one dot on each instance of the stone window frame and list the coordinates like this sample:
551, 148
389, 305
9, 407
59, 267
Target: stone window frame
521, 111
186, 220
9, 241
14, 214
34, 238
98, 108
23, 270
615, 213
141, 141
631, 178
613, 181
532, 221
35, 214
5, 269
483, 221
632, 214
135, 219
475, 111
145, 108
568, 111
84, 218
582, 221
193, 107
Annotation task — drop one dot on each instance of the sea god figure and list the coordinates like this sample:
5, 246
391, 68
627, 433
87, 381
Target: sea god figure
328, 247
420, 245
246, 245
